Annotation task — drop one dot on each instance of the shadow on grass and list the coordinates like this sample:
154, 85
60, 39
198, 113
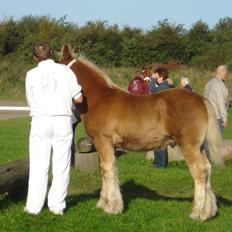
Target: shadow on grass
224, 201
7, 199
132, 190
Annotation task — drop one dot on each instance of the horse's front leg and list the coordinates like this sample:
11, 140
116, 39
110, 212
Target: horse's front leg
110, 198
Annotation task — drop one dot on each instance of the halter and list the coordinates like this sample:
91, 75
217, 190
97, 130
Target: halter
71, 63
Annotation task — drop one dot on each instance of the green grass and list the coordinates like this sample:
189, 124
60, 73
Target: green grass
155, 199
14, 137
227, 134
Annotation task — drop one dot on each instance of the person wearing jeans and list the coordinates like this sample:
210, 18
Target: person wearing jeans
158, 83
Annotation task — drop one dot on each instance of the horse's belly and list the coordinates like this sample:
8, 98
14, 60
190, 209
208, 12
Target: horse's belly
142, 142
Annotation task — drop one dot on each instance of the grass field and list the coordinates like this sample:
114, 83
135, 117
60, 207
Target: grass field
155, 200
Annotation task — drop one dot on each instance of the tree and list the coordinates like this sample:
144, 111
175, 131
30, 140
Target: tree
169, 41
10, 37
198, 39
100, 42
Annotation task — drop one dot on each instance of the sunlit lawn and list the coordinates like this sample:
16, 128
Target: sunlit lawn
155, 200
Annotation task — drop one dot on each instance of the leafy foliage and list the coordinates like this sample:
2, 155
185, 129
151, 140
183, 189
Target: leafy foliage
109, 46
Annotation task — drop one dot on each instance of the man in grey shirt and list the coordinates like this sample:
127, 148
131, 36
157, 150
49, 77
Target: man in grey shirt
217, 93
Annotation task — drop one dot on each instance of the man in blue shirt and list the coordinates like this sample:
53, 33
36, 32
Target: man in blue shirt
159, 82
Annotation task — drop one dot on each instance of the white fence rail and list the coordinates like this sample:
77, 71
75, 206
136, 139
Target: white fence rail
14, 108
9, 110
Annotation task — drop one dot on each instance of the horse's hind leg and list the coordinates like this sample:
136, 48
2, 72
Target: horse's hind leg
110, 198
204, 199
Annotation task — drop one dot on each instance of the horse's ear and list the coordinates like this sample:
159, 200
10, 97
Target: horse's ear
66, 53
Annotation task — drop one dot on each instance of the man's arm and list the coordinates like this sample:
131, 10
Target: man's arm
75, 88
28, 91
222, 105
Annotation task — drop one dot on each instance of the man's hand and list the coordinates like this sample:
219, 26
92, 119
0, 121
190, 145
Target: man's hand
225, 123
78, 100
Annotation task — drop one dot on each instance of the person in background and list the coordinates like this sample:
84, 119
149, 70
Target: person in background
51, 89
159, 80
170, 83
138, 85
76, 118
184, 83
146, 75
159, 83
217, 93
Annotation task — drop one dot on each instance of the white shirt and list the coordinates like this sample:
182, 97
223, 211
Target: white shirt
217, 93
50, 88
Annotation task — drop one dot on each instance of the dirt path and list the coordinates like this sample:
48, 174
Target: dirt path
12, 114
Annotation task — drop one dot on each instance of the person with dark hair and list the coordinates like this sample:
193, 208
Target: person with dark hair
51, 89
158, 83
41, 51
159, 80
76, 118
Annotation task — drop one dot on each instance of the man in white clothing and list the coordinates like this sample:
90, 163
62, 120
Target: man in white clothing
51, 89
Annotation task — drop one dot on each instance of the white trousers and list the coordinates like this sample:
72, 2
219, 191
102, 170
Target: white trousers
50, 133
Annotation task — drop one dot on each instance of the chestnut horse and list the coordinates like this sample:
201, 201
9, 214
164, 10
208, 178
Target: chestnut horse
113, 118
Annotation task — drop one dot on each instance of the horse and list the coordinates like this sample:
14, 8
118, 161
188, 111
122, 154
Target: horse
114, 118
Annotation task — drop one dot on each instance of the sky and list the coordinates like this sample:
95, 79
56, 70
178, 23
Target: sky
143, 14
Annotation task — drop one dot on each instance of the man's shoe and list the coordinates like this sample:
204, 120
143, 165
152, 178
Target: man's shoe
25, 210
58, 212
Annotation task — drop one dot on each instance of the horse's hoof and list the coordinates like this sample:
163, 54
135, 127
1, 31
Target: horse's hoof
194, 215
110, 210
210, 208
213, 212
203, 216
113, 208
101, 204
207, 214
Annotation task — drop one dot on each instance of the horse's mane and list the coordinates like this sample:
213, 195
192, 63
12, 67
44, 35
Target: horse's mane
94, 68
69, 53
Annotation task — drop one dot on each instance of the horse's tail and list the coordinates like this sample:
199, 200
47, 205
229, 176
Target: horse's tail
213, 136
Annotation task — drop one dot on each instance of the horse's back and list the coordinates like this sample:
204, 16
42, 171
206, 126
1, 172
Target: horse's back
172, 105
182, 113
169, 116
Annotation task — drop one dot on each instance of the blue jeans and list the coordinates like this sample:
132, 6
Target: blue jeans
161, 158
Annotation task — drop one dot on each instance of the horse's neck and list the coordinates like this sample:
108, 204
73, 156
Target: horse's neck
94, 86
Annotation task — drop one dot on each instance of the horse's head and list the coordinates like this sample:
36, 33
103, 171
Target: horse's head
67, 54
